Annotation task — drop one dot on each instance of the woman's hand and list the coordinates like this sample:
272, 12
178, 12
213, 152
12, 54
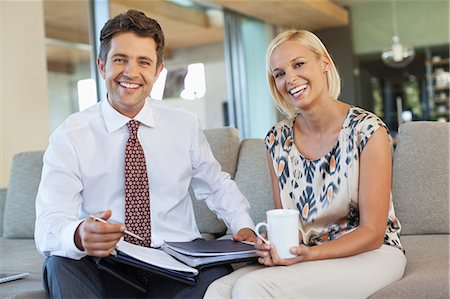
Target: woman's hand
268, 255
263, 250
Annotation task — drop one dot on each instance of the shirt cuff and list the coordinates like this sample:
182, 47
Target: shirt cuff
240, 221
68, 241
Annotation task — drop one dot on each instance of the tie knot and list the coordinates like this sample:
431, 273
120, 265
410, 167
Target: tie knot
133, 126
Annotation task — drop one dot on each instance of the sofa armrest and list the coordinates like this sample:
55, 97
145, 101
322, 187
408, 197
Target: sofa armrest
2, 208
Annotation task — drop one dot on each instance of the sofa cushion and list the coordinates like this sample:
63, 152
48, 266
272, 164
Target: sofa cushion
426, 274
19, 213
421, 176
253, 178
21, 256
224, 144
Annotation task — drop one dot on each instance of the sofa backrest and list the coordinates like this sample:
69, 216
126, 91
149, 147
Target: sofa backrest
250, 171
224, 143
19, 210
420, 183
253, 178
247, 163
421, 177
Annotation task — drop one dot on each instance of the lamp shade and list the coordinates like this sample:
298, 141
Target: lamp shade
398, 56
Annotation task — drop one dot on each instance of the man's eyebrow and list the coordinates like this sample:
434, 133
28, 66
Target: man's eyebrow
145, 58
119, 54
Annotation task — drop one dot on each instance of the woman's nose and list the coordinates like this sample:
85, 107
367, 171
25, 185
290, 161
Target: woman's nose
291, 77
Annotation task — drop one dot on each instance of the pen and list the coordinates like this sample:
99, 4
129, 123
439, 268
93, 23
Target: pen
126, 231
245, 242
248, 243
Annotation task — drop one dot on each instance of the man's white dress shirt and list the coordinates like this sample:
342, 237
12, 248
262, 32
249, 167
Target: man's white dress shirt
83, 174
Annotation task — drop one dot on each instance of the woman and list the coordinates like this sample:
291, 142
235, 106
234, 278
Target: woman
332, 162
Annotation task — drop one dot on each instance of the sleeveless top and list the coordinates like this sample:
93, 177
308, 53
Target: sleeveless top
325, 190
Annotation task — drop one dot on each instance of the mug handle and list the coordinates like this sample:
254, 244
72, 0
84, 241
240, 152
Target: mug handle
258, 234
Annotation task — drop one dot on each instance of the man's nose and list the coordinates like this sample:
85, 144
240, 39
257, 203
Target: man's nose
130, 70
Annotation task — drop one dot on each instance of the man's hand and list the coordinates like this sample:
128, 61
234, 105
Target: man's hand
245, 234
97, 238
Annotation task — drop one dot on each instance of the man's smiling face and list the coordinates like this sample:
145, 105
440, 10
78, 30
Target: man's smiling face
129, 71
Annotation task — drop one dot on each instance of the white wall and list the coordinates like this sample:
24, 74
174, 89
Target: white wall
23, 82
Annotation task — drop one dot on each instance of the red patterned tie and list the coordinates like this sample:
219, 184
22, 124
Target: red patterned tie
137, 198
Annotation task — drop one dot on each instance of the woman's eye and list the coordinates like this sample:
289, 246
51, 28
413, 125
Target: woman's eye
299, 64
278, 75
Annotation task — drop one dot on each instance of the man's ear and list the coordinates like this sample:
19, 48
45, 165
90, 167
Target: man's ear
101, 67
158, 71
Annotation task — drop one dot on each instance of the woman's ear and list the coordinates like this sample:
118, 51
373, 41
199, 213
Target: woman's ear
325, 63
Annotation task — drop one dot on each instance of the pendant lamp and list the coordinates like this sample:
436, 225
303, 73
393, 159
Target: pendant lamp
398, 55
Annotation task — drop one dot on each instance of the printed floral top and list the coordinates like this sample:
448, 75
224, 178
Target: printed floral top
325, 190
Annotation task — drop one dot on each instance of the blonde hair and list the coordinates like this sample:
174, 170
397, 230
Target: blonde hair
312, 42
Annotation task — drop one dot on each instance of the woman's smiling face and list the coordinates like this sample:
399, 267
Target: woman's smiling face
299, 75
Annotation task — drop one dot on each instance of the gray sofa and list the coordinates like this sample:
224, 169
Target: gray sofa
420, 192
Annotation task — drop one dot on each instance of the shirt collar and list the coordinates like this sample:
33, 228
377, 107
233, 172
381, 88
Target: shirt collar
115, 120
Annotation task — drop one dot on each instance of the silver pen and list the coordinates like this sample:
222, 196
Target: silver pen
126, 231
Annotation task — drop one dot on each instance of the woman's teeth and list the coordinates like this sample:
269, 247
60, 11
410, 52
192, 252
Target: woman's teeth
298, 90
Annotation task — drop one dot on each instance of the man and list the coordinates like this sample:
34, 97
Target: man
130, 161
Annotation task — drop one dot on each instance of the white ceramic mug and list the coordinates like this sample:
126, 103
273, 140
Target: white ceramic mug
282, 230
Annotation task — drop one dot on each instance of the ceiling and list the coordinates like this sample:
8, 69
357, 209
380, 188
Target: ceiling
67, 22
305, 14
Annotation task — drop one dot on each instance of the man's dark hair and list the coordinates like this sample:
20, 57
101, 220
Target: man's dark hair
132, 21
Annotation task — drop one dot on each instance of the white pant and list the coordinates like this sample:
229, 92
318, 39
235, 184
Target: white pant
357, 276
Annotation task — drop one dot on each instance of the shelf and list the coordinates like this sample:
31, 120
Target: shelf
440, 113
445, 101
445, 61
438, 88
441, 88
432, 76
